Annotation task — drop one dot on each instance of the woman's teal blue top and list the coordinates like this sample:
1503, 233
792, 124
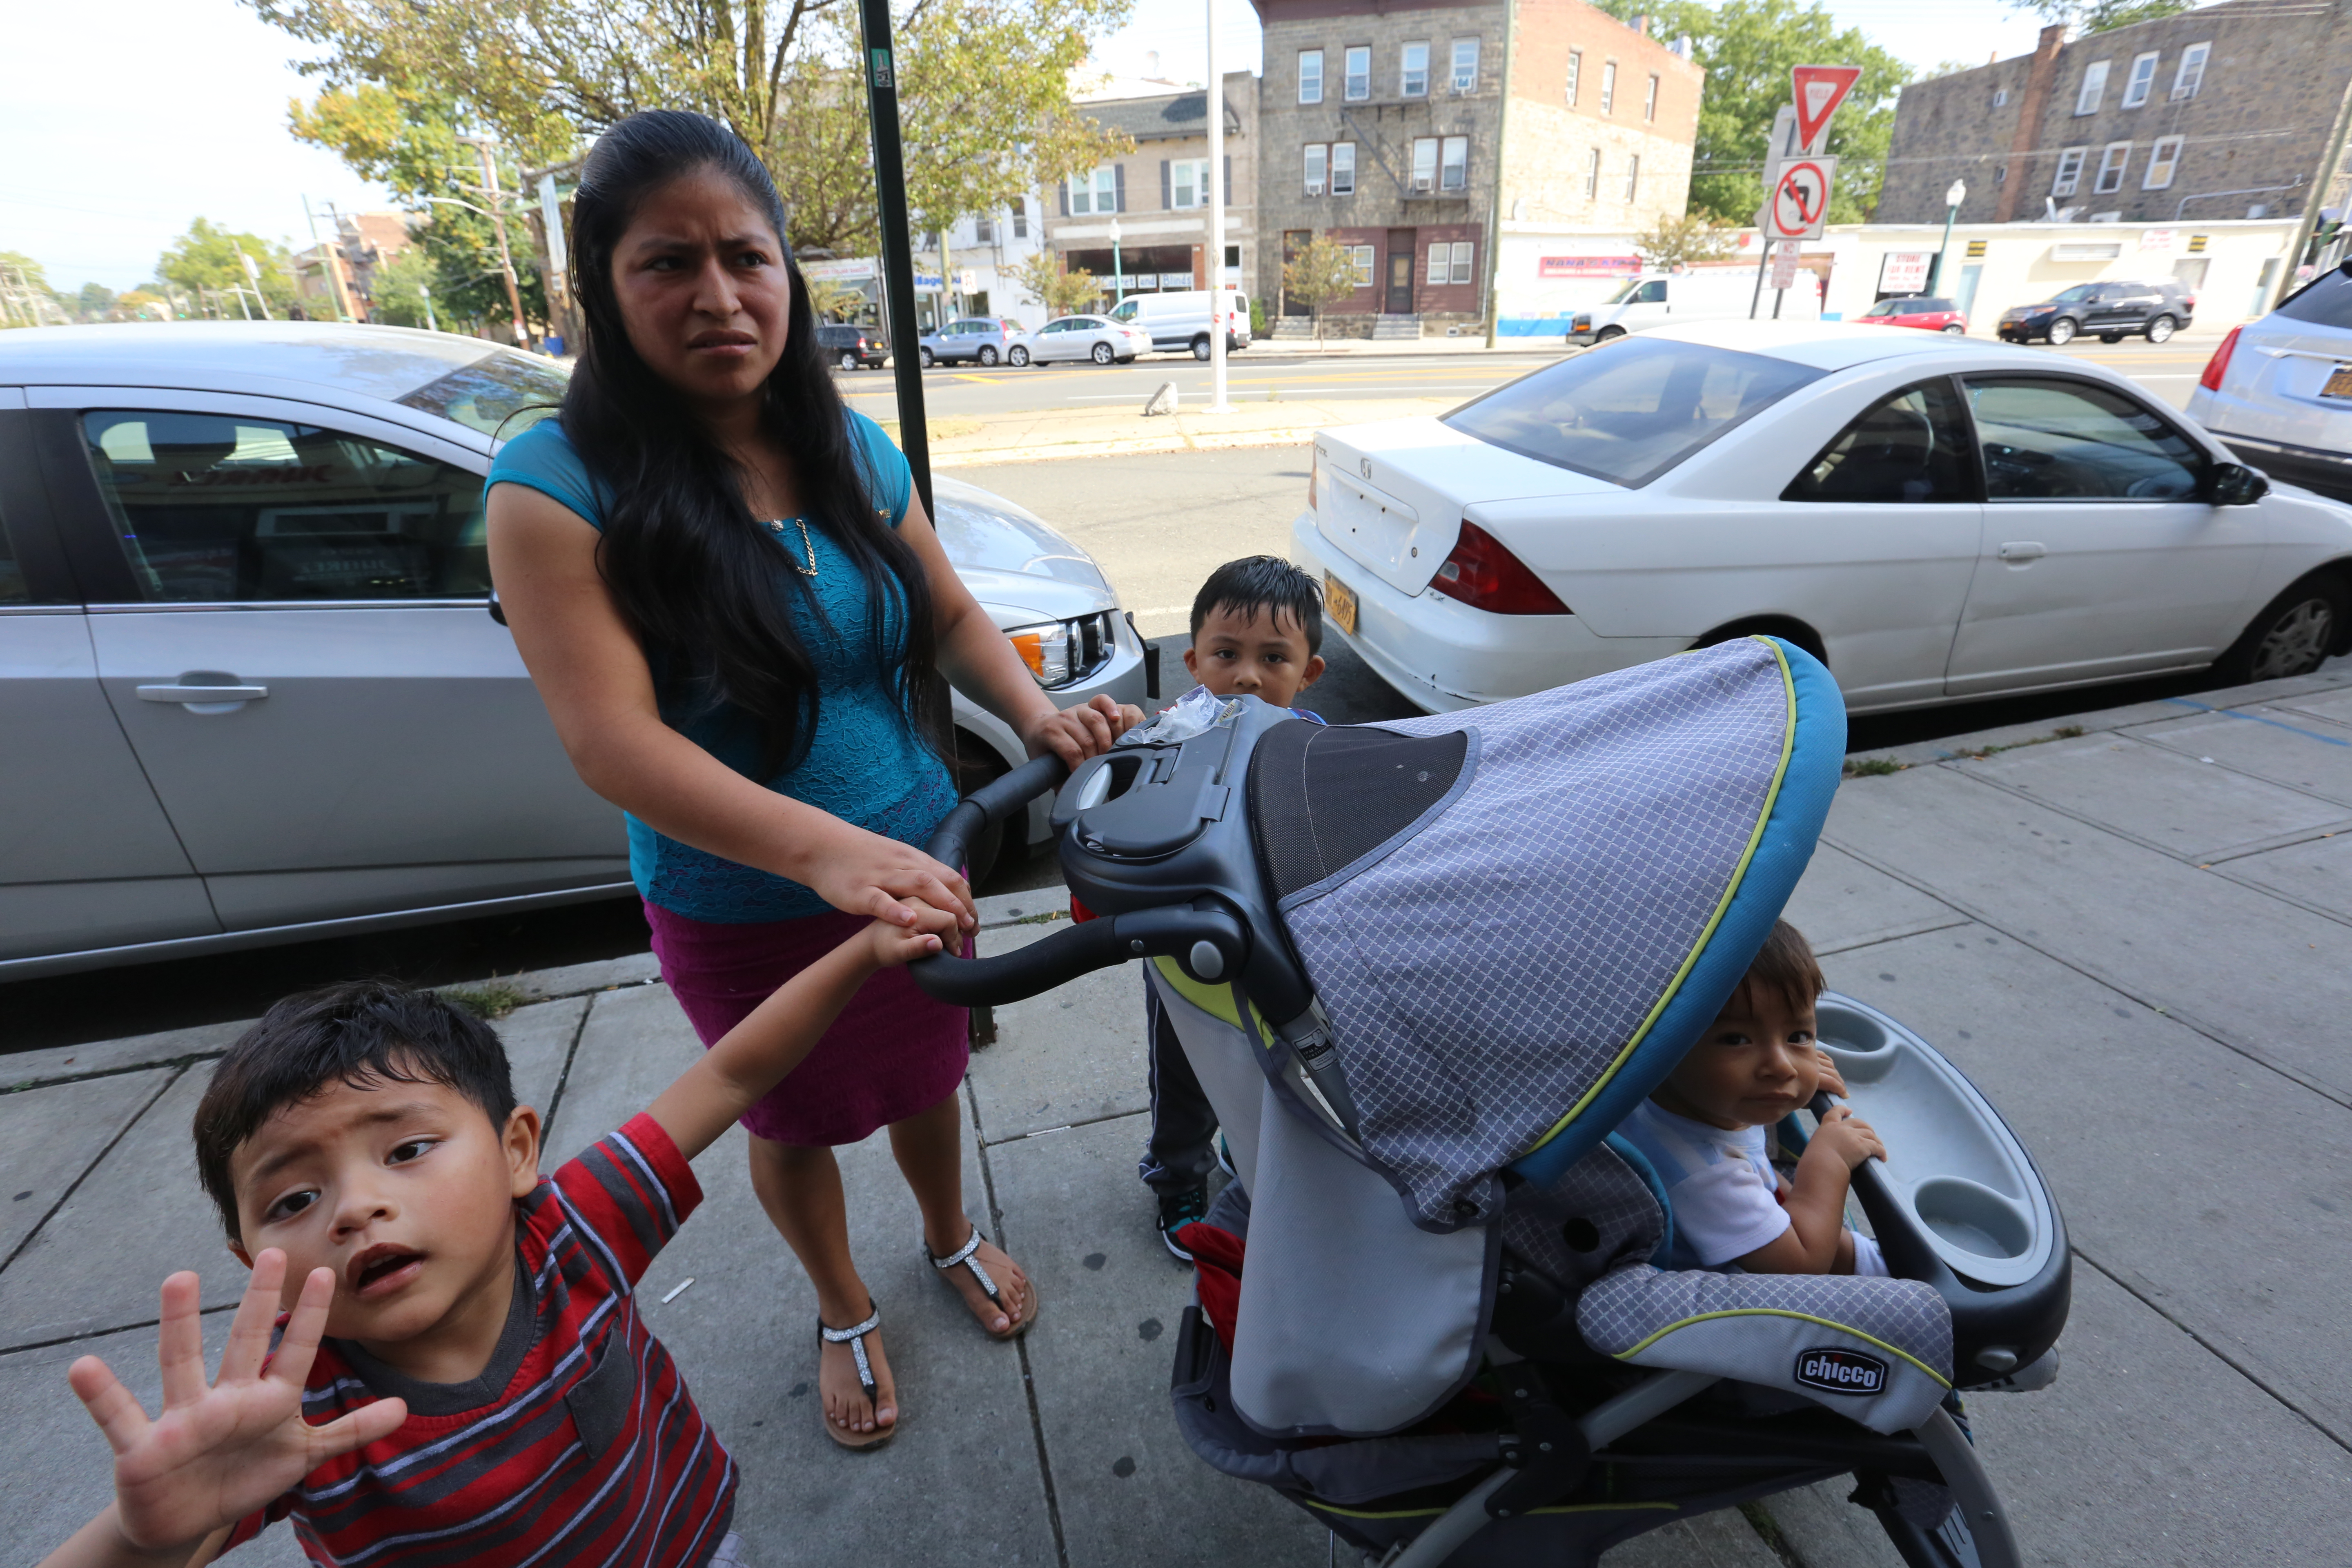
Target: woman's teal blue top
863, 764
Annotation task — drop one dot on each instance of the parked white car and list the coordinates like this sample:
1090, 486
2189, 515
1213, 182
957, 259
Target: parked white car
1938, 518
1097, 338
251, 689
2278, 391
1180, 319
1658, 300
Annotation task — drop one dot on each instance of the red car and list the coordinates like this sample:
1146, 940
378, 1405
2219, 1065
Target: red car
1933, 315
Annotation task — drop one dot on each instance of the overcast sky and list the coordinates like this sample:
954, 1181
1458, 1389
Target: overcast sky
122, 131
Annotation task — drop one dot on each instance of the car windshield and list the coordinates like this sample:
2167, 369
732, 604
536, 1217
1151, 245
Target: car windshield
503, 394
1624, 292
1125, 311
2325, 301
2075, 296
1629, 410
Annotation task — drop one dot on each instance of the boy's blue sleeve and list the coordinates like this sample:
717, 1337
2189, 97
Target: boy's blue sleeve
887, 473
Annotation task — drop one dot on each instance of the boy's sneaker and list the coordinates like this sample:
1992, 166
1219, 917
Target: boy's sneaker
1177, 1210
1226, 1159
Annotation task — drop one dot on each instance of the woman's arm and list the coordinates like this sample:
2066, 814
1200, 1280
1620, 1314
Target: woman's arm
592, 673
979, 661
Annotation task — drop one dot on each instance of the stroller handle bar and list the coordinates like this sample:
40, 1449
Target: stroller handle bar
1207, 938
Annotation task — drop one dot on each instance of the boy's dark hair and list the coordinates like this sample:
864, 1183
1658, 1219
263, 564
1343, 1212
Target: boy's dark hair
360, 1032
1266, 582
1785, 967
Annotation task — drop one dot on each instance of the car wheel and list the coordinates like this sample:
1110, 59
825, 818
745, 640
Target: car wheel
849, 361
2061, 332
928, 360
1200, 346
1103, 355
1607, 334
1019, 357
1797, 632
1955, 330
2161, 328
988, 356
2295, 633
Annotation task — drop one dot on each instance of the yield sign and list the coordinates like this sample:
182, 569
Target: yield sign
1800, 200
1818, 91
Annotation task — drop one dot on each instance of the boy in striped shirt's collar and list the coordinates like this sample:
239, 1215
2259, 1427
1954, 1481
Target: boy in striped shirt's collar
464, 1375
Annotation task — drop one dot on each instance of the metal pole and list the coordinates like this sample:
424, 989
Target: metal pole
2319, 186
896, 257
1494, 305
326, 263
1936, 268
1217, 325
425, 291
497, 222
1756, 297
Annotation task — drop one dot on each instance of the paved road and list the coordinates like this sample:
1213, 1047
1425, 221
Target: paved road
2169, 371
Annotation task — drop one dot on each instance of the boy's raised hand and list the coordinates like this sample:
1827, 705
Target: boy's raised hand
1844, 1137
222, 1451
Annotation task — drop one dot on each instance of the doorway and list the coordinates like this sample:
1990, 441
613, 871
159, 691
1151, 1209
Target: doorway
1294, 240
1400, 290
1966, 298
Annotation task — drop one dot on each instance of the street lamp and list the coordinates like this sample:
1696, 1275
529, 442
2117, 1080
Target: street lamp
1952, 200
1117, 272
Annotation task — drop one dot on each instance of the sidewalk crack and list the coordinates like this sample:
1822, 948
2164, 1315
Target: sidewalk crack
1028, 1375
75, 1186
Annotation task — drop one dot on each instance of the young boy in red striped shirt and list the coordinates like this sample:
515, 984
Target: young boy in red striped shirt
464, 1376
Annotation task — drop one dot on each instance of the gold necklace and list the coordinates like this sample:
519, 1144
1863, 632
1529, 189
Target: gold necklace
776, 526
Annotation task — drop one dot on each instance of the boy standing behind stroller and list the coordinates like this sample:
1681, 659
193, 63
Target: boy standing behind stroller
1257, 624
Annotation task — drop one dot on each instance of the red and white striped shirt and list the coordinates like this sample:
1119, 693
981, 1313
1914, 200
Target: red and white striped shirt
579, 1443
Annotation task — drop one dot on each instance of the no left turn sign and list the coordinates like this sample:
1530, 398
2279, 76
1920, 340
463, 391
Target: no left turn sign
1800, 200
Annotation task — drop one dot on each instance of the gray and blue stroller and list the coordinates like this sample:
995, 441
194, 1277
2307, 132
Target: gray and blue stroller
1422, 969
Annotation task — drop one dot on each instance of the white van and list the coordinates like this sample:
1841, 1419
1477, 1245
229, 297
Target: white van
1179, 320
1658, 299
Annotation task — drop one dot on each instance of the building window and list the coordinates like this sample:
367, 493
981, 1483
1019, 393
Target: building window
1465, 64
983, 231
1098, 194
1650, 100
1449, 262
2070, 171
1609, 88
1463, 256
2112, 160
1413, 74
1360, 74
1456, 173
2161, 162
2000, 175
1592, 173
2000, 97
1424, 164
1188, 182
2142, 79
1633, 175
1361, 258
1343, 168
1318, 158
2094, 88
1310, 76
1021, 218
2191, 73
1575, 74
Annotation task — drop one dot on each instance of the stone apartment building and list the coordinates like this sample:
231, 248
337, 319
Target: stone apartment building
1157, 196
2226, 112
1386, 127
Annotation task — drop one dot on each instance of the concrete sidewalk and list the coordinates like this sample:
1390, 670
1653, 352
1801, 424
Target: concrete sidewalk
2135, 939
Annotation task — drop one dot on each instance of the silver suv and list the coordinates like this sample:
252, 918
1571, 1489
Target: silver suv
249, 687
984, 340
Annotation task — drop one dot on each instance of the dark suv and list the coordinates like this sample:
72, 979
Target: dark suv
851, 347
2154, 310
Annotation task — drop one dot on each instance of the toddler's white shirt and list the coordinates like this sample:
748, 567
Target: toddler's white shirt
1724, 1193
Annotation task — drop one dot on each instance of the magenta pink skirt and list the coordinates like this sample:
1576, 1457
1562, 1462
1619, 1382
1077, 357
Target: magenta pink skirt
892, 1053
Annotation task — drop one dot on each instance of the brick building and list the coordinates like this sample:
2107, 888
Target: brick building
2225, 112
1385, 126
1159, 194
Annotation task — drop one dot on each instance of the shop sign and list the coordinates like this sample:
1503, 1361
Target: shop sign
1587, 266
1905, 271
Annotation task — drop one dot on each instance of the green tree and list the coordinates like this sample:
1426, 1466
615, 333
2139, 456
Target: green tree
1747, 48
208, 256
985, 95
400, 286
833, 301
140, 305
1041, 278
2103, 16
26, 297
1677, 242
94, 301
1318, 273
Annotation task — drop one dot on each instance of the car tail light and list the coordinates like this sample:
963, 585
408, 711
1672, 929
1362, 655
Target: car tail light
2219, 366
1486, 577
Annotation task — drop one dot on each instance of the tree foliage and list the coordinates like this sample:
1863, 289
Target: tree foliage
833, 301
984, 84
207, 257
1677, 242
1318, 273
2102, 16
400, 286
1747, 48
1041, 278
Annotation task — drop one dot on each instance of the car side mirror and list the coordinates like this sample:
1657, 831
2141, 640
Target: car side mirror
2234, 484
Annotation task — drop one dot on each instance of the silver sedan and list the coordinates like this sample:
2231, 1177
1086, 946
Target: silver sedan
248, 685
1097, 338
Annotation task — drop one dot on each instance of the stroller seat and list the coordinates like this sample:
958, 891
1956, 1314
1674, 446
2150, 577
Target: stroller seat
1422, 971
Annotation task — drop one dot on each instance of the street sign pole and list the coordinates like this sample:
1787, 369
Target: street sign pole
897, 255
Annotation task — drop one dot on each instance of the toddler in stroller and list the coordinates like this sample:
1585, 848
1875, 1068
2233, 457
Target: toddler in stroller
1424, 970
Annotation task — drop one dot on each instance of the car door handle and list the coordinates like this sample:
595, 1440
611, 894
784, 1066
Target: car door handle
202, 693
2019, 552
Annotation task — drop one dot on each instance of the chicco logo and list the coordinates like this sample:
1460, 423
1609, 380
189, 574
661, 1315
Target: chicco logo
1840, 1371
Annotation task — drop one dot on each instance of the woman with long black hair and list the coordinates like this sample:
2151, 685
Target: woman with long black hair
730, 600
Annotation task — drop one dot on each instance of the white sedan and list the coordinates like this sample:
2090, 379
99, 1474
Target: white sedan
1937, 519
1097, 338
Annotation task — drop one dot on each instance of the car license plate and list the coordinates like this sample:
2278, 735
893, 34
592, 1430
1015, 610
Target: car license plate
1341, 600
2340, 382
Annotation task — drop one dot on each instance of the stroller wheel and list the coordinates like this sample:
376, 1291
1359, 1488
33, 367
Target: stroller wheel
1957, 1525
